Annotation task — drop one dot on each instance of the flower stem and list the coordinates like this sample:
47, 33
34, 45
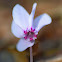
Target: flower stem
31, 56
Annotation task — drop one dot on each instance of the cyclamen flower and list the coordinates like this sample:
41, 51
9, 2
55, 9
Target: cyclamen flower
24, 26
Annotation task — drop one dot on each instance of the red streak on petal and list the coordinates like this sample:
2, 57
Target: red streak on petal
25, 32
35, 35
31, 28
25, 37
31, 39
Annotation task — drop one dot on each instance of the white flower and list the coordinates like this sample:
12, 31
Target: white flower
24, 26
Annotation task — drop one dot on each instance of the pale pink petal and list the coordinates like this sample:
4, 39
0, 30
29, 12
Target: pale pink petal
23, 44
16, 30
20, 16
41, 21
32, 15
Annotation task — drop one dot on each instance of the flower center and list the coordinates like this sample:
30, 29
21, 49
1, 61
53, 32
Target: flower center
30, 34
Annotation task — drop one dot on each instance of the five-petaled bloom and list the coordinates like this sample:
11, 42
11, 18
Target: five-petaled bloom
24, 26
